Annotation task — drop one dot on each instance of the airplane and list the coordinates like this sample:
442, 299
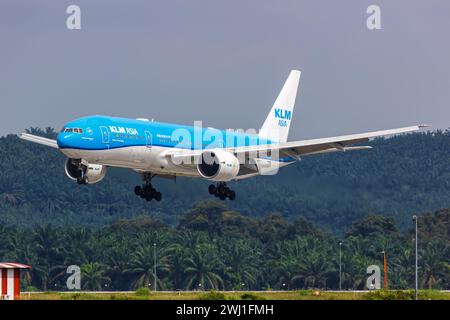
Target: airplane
94, 143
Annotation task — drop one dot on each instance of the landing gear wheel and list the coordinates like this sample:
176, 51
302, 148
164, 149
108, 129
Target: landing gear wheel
149, 193
146, 191
138, 190
212, 189
221, 191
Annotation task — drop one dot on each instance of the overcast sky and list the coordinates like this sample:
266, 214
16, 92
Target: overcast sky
224, 62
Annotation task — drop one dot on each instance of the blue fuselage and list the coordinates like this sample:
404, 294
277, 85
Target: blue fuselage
103, 133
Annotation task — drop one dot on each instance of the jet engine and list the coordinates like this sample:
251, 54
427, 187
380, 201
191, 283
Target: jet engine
218, 165
84, 173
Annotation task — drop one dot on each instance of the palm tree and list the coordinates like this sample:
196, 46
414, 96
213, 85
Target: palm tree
117, 260
11, 191
435, 264
142, 265
35, 130
313, 269
241, 262
403, 269
281, 272
355, 265
6, 234
93, 276
77, 249
23, 252
177, 263
48, 251
190, 239
202, 266
284, 258
50, 133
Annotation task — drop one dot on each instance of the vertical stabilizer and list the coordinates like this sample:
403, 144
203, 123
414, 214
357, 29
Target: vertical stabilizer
277, 124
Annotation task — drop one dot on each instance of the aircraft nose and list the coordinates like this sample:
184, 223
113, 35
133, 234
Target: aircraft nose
64, 139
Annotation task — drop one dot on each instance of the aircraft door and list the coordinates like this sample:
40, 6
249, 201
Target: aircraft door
148, 139
105, 135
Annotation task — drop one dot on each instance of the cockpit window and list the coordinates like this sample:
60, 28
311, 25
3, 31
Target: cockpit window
76, 130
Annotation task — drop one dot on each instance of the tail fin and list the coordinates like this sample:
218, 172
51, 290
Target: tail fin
276, 126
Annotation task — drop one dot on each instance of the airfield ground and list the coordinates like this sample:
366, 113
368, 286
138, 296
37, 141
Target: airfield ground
240, 295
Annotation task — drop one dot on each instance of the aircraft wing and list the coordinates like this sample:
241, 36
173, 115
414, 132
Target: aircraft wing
40, 140
296, 149
334, 144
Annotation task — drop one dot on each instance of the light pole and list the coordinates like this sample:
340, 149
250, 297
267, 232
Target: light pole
417, 275
340, 265
154, 262
384, 270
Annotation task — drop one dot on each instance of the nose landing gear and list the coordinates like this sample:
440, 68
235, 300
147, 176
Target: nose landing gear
146, 191
221, 191
82, 180
82, 168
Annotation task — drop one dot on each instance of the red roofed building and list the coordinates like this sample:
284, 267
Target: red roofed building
10, 279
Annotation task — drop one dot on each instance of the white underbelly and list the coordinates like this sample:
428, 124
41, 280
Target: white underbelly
140, 158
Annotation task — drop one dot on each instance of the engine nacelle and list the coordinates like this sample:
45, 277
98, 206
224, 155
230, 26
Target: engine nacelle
218, 165
93, 173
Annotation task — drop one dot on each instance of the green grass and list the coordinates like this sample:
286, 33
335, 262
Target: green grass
406, 295
142, 294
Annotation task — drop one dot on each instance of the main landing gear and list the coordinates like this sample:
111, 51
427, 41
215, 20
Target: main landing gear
146, 191
82, 168
221, 191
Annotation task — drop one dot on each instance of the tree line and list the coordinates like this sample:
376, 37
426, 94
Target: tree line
214, 247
